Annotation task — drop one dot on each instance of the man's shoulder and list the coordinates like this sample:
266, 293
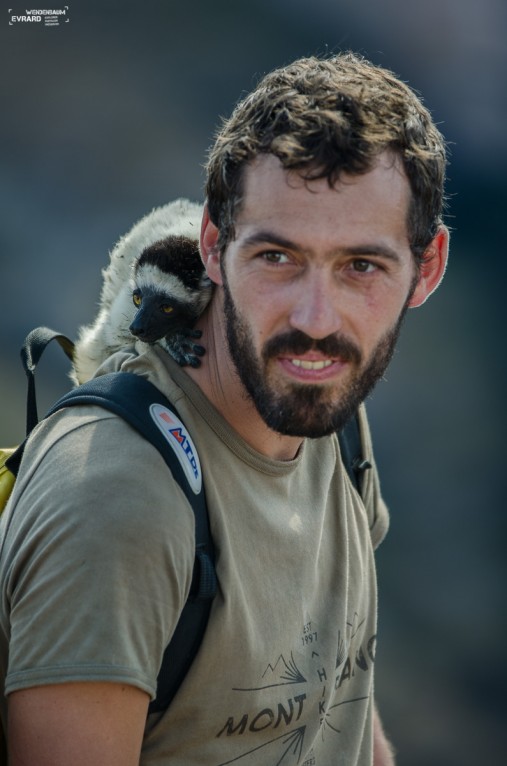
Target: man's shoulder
71, 429
86, 455
150, 362
90, 479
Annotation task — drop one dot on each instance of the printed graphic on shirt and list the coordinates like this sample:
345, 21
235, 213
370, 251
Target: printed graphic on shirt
281, 674
284, 749
315, 689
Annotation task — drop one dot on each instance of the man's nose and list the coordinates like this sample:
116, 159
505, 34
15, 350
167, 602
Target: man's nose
316, 311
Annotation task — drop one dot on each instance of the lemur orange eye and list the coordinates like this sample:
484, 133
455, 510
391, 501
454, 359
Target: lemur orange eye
136, 297
167, 309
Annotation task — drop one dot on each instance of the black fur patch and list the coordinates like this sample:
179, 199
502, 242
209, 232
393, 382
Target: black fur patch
175, 255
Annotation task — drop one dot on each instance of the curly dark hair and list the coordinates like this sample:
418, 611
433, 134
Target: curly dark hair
325, 117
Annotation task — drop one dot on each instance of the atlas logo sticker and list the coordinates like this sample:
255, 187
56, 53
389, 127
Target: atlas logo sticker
181, 443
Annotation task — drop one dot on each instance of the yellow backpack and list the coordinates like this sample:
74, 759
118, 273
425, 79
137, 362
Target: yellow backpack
7, 478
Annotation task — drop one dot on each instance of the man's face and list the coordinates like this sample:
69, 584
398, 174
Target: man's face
316, 284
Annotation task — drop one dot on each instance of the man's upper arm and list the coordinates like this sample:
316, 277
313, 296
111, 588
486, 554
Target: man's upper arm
78, 723
77, 595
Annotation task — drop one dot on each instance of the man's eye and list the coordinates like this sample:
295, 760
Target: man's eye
273, 256
363, 267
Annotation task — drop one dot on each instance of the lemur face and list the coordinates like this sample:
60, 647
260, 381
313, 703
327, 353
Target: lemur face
167, 288
158, 314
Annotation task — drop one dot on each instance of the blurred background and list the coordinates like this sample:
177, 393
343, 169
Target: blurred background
110, 112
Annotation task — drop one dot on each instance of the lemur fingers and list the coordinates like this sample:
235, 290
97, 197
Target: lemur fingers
188, 332
182, 350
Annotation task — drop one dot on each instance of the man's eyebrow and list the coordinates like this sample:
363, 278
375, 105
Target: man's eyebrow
265, 236
380, 250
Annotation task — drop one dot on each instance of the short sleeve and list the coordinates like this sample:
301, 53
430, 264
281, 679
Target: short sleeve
98, 555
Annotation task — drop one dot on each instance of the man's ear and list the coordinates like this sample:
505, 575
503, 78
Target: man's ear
432, 268
210, 253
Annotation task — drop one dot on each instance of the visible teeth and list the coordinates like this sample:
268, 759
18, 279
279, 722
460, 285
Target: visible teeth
311, 365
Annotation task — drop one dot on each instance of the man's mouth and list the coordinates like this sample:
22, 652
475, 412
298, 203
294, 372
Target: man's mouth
310, 355
308, 365
312, 370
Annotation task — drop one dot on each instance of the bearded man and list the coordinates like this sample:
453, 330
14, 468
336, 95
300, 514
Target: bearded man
322, 226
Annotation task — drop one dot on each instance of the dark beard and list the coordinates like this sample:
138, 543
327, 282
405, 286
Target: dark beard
304, 410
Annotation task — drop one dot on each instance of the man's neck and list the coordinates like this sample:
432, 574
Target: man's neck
219, 381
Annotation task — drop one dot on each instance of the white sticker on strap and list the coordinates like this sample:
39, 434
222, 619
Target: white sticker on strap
181, 443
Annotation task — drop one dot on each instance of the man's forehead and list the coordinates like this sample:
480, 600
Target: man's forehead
271, 192
268, 170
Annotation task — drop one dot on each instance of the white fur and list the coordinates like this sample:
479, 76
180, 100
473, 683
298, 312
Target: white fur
109, 332
149, 276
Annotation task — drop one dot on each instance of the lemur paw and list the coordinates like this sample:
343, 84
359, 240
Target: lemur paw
189, 332
183, 350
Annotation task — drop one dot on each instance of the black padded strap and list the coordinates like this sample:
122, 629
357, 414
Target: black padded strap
351, 450
131, 396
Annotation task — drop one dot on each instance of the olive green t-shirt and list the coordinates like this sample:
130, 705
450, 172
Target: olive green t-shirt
97, 560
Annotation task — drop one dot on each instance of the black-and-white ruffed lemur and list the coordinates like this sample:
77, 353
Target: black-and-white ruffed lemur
154, 288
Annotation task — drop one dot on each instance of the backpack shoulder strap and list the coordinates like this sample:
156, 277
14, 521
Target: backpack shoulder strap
33, 347
146, 409
351, 450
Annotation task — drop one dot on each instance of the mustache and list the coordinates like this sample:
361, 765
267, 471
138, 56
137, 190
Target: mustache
297, 342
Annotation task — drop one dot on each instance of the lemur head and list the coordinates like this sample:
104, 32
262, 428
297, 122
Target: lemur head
170, 288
